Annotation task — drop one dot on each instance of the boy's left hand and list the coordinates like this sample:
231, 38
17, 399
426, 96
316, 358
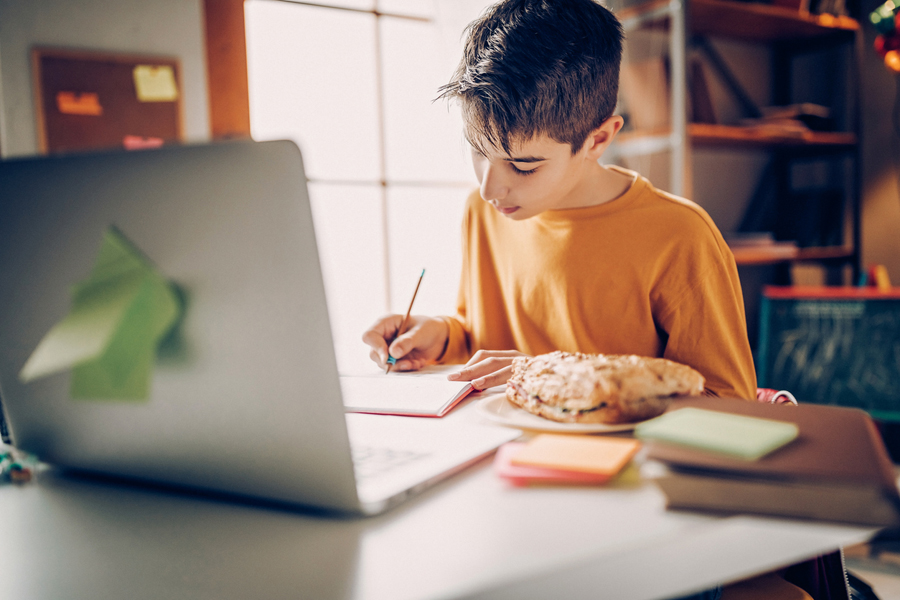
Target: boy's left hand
487, 368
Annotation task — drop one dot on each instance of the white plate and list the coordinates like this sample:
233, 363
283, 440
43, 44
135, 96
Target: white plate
500, 410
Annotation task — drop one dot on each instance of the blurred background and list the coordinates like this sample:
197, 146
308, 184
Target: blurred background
352, 82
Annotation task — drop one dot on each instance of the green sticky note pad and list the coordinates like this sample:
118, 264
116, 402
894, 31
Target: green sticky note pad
749, 438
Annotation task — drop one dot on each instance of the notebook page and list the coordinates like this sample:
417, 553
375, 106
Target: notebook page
426, 392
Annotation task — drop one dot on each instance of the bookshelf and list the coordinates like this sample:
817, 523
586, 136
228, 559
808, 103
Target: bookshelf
788, 34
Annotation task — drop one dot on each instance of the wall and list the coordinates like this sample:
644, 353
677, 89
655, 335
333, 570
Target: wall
168, 27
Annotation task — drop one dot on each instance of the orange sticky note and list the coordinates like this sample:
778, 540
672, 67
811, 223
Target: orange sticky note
605, 456
73, 103
521, 475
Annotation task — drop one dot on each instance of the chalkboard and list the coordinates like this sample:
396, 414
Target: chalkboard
833, 346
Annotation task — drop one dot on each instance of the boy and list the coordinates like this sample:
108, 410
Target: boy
559, 251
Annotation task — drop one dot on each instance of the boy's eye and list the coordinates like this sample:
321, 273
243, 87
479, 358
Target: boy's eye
519, 171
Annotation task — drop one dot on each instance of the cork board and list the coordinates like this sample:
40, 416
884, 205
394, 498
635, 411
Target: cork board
91, 100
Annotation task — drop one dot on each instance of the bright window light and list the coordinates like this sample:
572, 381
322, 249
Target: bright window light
423, 139
426, 226
294, 53
388, 168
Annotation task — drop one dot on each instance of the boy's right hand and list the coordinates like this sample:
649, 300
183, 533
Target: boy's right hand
422, 343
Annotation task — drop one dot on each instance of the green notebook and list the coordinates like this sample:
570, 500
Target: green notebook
743, 437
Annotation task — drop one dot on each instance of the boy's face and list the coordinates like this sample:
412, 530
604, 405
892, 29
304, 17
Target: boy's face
537, 175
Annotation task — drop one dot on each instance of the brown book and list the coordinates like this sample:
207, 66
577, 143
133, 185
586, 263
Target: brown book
836, 470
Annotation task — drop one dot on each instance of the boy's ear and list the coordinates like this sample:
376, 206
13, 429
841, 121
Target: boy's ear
600, 139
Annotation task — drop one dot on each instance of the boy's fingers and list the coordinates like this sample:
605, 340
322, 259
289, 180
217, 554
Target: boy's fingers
404, 344
464, 374
408, 365
397, 350
486, 366
478, 357
496, 378
377, 358
384, 328
374, 340
483, 355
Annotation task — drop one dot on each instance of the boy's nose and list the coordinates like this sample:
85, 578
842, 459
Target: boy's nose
493, 185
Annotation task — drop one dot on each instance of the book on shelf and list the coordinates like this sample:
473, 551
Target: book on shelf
777, 127
836, 470
760, 245
791, 121
814, 116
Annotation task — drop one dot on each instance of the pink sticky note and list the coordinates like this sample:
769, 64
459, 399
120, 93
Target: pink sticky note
524, 475
137, 142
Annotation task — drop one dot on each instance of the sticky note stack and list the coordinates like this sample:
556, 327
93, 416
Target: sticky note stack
739, 436
564, 459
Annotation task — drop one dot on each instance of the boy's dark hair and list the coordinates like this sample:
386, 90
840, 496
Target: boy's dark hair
533, 67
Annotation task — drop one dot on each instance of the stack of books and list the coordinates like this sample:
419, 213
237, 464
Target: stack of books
836, 469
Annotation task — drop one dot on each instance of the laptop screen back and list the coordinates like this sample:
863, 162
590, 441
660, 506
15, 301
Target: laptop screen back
244, 394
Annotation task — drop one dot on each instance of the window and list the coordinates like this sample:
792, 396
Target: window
352, 83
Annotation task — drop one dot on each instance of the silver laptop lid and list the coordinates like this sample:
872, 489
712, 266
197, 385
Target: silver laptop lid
244, 395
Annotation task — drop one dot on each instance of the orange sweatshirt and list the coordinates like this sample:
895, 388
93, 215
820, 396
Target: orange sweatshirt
647, 273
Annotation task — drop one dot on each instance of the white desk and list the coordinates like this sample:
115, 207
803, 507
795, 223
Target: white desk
471, 536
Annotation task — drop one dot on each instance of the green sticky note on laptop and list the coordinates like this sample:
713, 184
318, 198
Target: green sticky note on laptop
744, 437
119, 315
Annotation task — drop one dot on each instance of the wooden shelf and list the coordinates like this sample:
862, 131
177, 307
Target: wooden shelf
748, 20
703, 134
825, 253
770, 256
763, 22
706, 135
763, 256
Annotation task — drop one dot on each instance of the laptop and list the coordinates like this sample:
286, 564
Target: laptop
244, 396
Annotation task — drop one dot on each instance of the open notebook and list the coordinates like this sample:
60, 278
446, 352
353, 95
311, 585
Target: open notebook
424, 393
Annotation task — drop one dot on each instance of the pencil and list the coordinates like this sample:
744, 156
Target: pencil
391, 360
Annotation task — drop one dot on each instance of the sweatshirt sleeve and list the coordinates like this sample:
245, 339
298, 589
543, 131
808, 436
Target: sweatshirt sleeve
707, 330
457, 350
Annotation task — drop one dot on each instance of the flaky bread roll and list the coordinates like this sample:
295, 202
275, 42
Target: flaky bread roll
598, 388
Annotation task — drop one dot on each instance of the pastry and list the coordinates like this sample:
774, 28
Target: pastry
598, 388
